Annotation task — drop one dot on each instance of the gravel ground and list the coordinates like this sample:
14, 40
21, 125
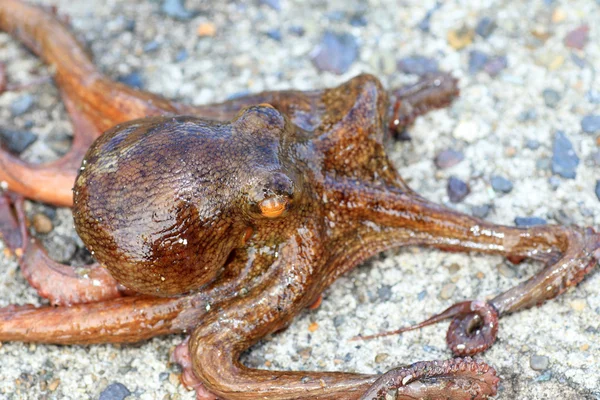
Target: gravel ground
522, 77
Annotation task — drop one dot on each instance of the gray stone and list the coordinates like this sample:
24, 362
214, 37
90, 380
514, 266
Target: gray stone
551, 97
457, 190
539, 363
335, 53
564, 158
16, 141
529, 221
591, 123
21, 105
115, 391
501, 185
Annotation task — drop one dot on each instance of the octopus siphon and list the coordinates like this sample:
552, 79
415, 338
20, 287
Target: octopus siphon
225, 221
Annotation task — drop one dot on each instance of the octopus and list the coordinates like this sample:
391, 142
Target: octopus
225, 221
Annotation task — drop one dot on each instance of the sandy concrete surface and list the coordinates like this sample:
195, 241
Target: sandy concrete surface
503, 124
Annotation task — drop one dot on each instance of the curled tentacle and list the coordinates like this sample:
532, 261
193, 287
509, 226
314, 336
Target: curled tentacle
457, 379
473, 329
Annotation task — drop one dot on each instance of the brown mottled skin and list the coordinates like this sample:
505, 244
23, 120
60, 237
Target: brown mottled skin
228, 221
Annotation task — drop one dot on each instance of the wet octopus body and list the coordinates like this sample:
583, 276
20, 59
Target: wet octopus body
230, 220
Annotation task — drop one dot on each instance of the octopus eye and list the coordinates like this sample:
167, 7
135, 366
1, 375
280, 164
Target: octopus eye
273, 207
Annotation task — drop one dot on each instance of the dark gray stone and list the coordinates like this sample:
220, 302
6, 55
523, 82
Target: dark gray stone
551, 97
21, 105
564, 158
384, 292
114, 391
485, 27
532, 144
274, 34
336, 52
529, 221
495, 65
591, 123
477, 61
448, 158
598, 189
481, 211
16, 141
500, 184
417, 65
457, 189
539, 363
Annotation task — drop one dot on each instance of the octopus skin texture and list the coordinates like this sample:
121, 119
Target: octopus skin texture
225, 221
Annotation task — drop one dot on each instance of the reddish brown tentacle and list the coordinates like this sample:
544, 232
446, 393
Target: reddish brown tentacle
431, 92
12, 232
65, 285
457, 379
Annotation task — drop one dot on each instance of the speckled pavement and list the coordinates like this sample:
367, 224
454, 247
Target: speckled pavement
504, 124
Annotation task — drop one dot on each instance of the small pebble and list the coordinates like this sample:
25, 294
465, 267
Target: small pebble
181, 56
422, 294
596, 158
358, 20
457, 190
448, 158
274, 34
532, 144
529, 221
151, 47
460, 38
417, 65
477, 61
500, 184
447, 291
41, 223
206, 29
335, 53
577, 38
381, 357
485, 27
133, 79
506, 271
591, 123
176, 9
539, 363
481, 211
21, 105
551, 97
597, 190
274, 4
16, 141
338, 320
115, 391
578, 305
453, 268
297, 30
564, 158
384, 292
528, 115
495, 65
